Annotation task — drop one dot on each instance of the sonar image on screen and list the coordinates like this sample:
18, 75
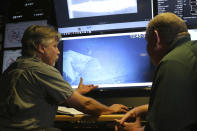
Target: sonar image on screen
107, 61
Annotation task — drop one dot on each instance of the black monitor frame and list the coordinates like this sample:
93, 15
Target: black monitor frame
85, 26
137, 91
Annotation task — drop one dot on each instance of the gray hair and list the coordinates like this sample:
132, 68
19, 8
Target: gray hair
35, 35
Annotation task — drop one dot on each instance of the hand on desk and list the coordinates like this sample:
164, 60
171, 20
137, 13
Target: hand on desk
125, 124
129, 126
119, 108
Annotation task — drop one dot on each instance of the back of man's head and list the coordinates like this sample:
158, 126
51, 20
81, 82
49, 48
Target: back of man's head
168, 25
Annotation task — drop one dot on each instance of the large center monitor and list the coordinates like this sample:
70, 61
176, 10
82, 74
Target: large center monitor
110, 61
90, 17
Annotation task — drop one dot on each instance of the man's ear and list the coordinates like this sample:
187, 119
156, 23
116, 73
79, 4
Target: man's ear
41, 49
158, 43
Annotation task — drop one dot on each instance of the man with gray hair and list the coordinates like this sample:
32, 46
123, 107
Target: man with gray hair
31, 88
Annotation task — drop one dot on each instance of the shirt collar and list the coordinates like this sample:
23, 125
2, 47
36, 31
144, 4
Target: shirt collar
179, 41
30, 58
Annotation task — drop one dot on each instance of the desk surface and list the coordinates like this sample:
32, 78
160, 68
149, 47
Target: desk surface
84, 117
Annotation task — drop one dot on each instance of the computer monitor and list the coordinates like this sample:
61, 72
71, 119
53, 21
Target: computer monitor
193, 34
14, 32
186, 9
110, 61
10, 56
92, 17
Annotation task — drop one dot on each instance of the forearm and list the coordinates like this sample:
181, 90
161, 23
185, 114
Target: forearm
141, 109
88, 105
92, 106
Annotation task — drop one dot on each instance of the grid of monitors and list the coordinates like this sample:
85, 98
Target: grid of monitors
112, 49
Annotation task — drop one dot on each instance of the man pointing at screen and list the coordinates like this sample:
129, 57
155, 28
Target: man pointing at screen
31, 88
